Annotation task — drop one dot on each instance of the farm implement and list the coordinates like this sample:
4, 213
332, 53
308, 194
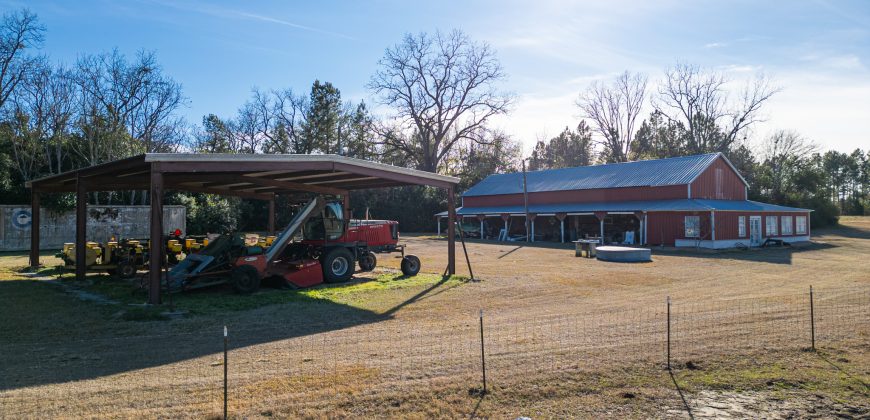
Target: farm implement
318, 246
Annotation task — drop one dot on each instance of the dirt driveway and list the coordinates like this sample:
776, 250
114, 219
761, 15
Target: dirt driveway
527, 280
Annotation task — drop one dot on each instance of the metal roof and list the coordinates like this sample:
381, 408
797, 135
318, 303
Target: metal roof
256, 176
631, 206
642, 173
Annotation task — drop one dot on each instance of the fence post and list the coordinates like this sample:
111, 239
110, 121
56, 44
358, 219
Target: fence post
482, 352
812, 321
225, 372
669, 333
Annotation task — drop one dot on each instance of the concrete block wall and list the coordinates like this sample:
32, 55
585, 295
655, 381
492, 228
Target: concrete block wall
103, 223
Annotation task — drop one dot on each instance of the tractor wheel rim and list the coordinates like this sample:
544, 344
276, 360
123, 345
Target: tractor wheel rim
339, 266
412, 265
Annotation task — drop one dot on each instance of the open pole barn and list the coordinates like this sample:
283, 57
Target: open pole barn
697, 201
256, 176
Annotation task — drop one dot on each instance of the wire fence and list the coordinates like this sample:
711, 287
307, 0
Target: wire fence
345, 366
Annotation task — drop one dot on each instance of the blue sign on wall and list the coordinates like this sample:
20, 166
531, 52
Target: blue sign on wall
22, 219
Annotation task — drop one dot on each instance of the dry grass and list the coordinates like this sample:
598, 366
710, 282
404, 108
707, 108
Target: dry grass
568, 337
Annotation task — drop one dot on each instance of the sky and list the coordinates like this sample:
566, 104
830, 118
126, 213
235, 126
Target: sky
818, 52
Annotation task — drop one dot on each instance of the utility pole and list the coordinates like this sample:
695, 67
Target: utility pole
526, 201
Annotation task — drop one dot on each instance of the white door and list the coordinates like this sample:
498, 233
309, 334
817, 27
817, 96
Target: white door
754, 230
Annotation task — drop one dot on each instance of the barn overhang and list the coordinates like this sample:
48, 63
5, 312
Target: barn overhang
632, 206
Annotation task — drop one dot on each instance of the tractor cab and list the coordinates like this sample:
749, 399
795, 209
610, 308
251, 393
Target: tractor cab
328, 225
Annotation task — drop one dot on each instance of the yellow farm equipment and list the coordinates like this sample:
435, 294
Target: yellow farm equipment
124, 258
118, 258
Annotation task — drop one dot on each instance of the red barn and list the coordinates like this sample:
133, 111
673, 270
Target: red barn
684, 201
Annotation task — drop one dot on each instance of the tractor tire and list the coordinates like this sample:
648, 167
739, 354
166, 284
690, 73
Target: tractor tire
368, 261
245, 279
410, 265
338, 266
126, 270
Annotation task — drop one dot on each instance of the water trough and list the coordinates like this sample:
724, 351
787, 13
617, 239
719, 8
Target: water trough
623, 254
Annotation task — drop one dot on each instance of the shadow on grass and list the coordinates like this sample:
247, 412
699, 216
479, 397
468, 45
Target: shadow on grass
64, 339
680, 391
843, 230
777, 255
509, 252
843, 371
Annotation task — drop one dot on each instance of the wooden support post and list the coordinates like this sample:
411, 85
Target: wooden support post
156, 250
601, 215
81, 227
713, 226
451, 232
481, 228
438, 221
602, 232
562, 229
532, 224
34, 228
271, 223
645, 228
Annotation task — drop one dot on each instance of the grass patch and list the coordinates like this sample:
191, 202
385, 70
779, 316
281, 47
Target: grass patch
355, 293
144, 313
221, 299
802, 372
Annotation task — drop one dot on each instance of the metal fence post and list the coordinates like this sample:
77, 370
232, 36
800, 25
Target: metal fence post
482, 352
225, 372
669, 333
812, 321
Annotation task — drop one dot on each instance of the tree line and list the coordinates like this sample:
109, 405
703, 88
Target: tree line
441, 92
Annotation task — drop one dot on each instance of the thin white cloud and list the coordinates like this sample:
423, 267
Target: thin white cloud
222, 12
716, 45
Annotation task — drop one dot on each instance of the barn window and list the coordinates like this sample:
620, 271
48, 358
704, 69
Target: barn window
801, 225
786, 225
741, 226
771, 225
693, 226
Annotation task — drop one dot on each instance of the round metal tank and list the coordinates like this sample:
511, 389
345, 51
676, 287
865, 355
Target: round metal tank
623, 254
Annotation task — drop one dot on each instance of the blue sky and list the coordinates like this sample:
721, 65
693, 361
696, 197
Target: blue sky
817, 51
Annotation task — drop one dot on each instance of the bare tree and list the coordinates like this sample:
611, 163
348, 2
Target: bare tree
126, 107
699, 99
39, 119
290, 110
443, 89
19, 31
614, 109
782, 151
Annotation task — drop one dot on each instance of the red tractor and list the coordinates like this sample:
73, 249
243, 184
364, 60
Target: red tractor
318, 245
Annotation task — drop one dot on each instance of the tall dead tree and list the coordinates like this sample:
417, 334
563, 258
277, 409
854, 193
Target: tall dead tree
19, 31
699, 100
613, 109
443, 89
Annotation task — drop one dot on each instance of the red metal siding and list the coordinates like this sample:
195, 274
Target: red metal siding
727, 226
666, 227
580, 196
719, 182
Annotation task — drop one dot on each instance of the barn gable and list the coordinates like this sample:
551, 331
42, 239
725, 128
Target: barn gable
719, 181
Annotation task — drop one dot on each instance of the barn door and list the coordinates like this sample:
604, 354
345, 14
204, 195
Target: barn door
754, 230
